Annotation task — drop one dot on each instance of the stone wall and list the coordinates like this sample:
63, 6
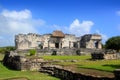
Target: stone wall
66, 51
66, 74
92, 41
36, 41
105, 54
14, 61
28, 41
17, 62
117, 74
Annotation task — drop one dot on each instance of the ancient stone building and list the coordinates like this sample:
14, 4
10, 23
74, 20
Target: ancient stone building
56, 40
91, 41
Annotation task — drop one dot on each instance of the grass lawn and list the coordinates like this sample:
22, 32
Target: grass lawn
84, 62
66, 57
5, 73
103, 65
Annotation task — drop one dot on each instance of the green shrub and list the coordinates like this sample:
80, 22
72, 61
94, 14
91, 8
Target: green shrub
32, 52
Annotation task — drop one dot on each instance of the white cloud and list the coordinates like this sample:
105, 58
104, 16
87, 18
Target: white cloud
14, 22
75, 27
118, 13
24, 14
104, 37
80, 28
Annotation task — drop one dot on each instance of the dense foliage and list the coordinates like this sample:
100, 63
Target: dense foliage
113, 43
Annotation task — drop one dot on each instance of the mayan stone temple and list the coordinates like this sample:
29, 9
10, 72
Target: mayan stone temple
57, 40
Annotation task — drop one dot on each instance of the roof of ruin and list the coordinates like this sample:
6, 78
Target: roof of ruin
58, 33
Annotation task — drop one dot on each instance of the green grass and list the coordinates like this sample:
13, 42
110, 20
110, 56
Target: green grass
5, 73
66, 57
84, 62
104, 65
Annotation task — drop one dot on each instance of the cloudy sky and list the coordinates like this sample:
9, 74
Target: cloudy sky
77, 17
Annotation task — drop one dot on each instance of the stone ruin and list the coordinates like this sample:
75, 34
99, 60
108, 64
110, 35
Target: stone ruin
62, 44
57, 40
68, 74
14, 61
105, 54
92, 41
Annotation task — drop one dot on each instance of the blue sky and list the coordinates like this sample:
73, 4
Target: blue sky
77, 17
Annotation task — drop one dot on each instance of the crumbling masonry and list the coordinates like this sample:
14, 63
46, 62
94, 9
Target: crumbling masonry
57, 40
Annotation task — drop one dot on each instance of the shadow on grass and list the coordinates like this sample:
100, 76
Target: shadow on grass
113, 66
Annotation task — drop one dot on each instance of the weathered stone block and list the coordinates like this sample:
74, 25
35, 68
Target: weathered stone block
117, 74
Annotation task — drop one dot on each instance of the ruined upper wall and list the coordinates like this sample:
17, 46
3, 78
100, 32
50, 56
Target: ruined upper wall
96, 36
28, 41
91, 41
88, 37
32, 41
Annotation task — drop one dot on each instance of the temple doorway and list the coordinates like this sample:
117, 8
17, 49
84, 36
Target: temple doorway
96, 44
56, 45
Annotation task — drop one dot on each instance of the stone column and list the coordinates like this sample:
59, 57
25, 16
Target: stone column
69, 44
99, 45
48, 44
60, 45
78, 43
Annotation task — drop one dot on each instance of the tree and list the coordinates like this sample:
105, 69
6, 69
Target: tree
113, 43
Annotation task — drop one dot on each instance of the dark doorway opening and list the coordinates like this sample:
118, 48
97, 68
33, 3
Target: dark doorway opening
96, 44
75, 45
56, 45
